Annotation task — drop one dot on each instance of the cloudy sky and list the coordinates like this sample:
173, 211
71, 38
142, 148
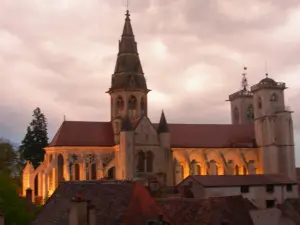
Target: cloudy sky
60, 54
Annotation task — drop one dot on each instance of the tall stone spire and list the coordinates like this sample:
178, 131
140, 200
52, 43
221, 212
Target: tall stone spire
128, 72
163, 125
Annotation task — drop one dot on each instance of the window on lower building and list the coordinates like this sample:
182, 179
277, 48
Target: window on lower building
244, 189
289, 187
270, 203
270, 188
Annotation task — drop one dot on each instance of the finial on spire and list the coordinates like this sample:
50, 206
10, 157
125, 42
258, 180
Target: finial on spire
267, 75
244, 80
126, 3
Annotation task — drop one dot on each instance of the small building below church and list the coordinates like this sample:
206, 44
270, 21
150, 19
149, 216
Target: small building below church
263, 190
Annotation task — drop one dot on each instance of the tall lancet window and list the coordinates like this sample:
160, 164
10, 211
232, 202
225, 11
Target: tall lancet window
149, 161
250, 113
143, 107
119, 105
132, 102
76, 172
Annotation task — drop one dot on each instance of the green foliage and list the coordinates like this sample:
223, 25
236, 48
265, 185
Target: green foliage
7, 157
13, 207
35, 139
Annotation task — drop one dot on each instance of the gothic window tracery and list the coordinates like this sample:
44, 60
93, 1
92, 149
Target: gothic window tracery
91, 167
273, 97
250, 113
259, 102
132, 102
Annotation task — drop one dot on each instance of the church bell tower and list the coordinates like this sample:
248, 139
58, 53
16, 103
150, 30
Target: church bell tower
274, 128
241, 103
128, 91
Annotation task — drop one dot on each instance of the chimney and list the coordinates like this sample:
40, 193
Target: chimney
1, 218
92, 216
78, 211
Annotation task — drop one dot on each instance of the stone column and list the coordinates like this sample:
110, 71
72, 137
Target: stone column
83, 168
45, 186
40, 184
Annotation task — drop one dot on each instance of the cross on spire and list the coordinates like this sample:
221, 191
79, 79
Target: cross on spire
244, 80
126, 3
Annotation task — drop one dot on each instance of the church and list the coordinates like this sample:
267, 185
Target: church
259, 139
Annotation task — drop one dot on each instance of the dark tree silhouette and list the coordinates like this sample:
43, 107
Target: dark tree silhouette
35, 139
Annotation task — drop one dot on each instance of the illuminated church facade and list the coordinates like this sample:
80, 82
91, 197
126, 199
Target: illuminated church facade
129, 146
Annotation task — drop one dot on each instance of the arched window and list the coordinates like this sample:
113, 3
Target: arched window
140, 162
36, 185
143, 107
120, 103
77, 172
132, 102
259, 102
273, 97
93, 171
149, 162
250, 113
60, 167
111, 173
236, 170
236, 115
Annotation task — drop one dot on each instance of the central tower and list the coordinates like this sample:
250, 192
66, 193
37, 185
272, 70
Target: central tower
128, 89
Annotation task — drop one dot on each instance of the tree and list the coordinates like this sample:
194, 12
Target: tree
35, 139
7, 157
13, 207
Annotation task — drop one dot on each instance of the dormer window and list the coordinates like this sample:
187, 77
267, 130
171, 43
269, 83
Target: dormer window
273, 97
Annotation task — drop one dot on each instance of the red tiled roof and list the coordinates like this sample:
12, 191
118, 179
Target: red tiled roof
116, 202
79, 133
239, 180
232, 210
211, 135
